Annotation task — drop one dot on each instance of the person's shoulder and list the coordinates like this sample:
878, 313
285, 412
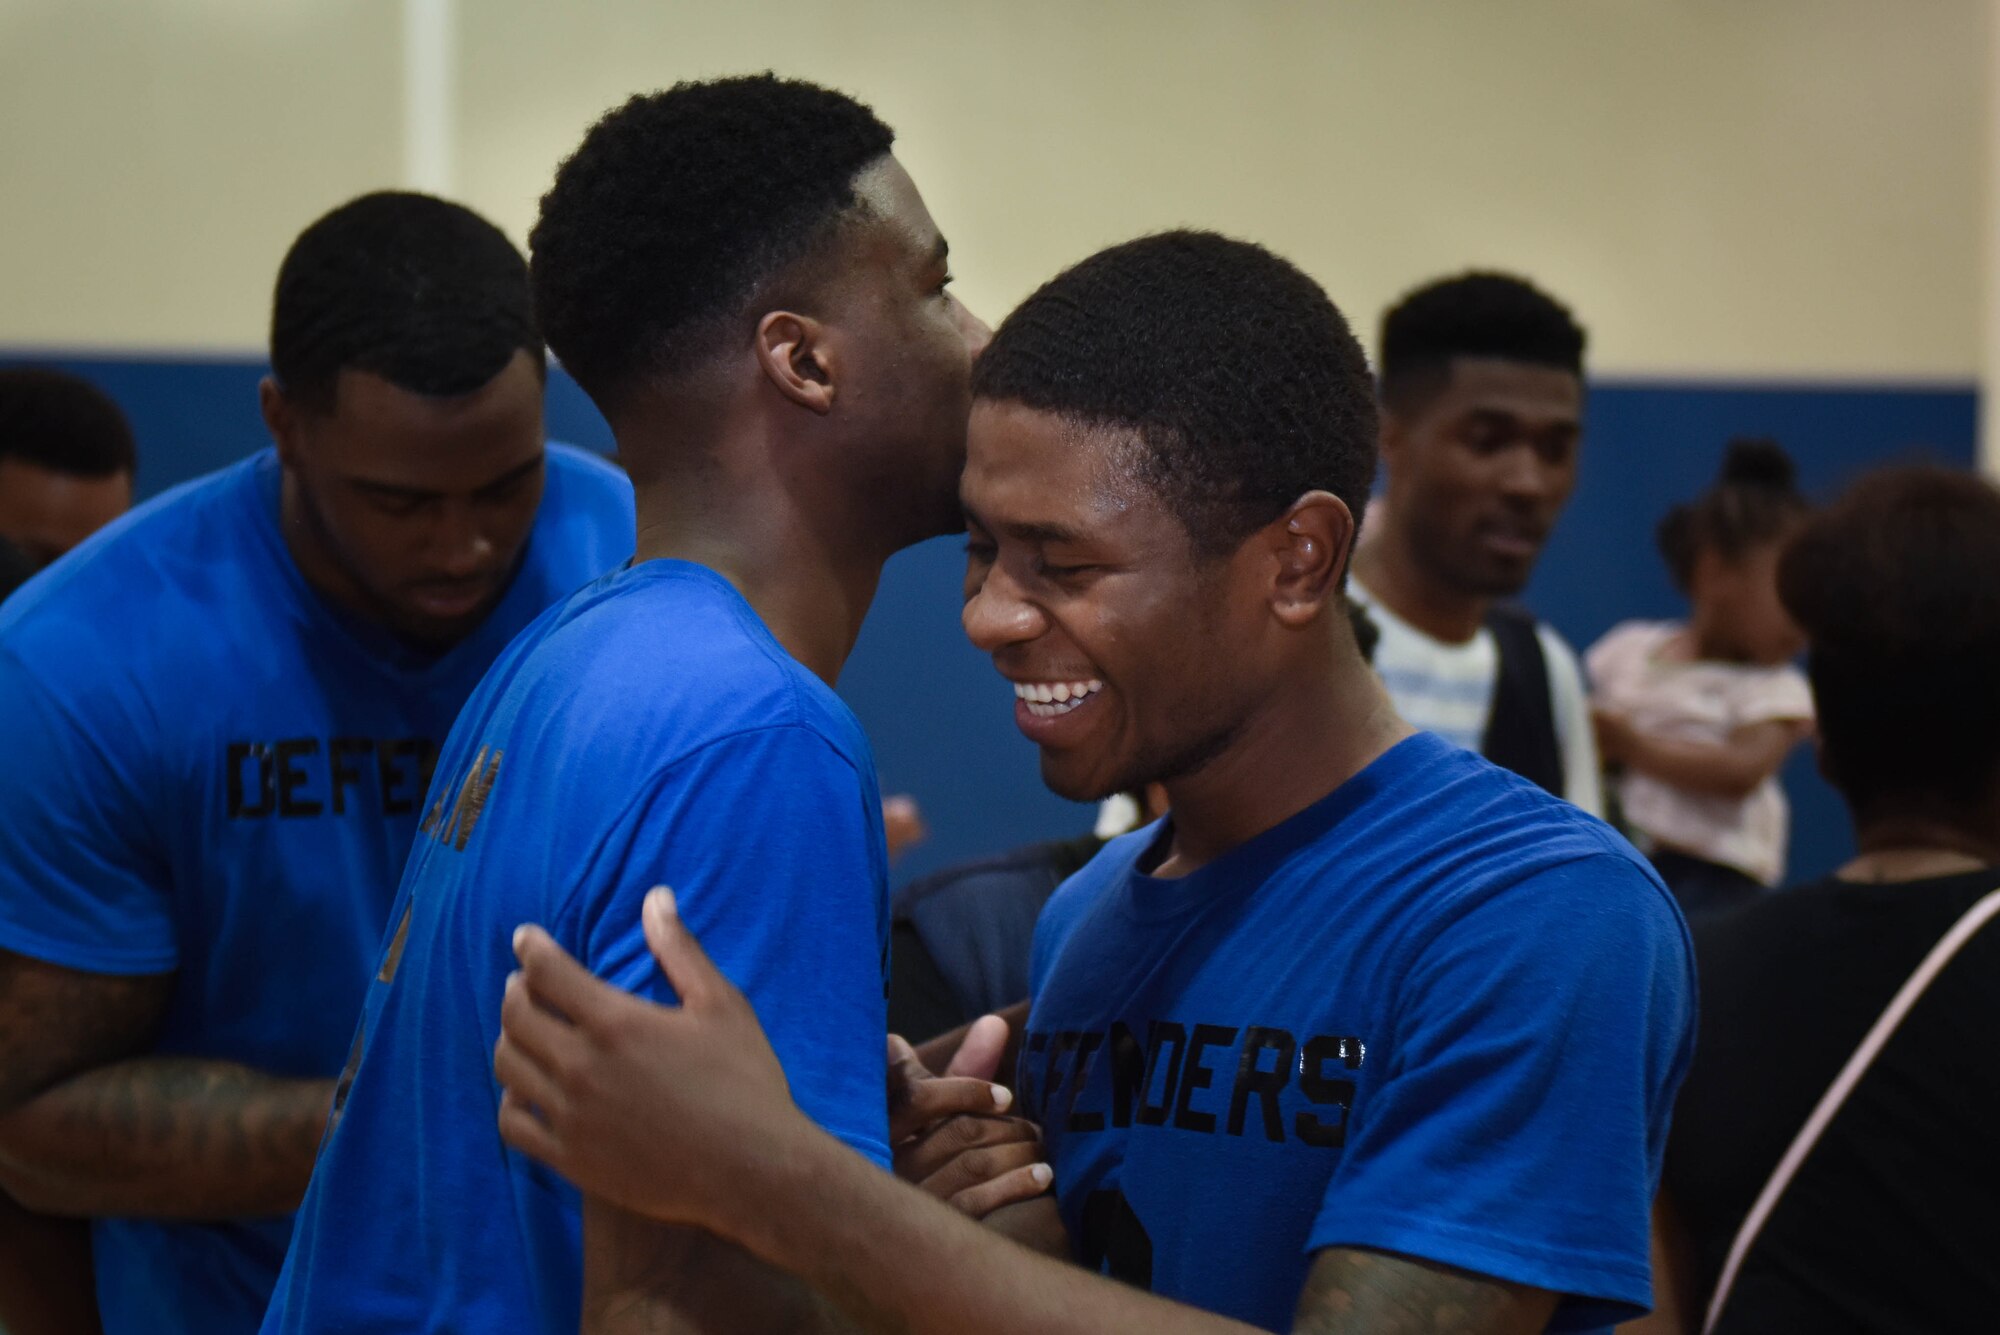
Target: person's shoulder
1475, 828
141, 583
1103, 875
588, 517
587, 474
666, 656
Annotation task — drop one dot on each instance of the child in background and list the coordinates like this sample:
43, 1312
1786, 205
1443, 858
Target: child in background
1699, 716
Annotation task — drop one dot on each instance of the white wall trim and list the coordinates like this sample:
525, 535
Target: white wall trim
429, 139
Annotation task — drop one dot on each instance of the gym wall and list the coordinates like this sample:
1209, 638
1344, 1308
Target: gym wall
1770, 217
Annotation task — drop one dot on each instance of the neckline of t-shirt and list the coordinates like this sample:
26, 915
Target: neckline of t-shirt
372, 644
1151, 898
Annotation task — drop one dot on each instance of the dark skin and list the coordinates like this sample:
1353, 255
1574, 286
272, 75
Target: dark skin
45, 512
794, 464
1479, 468
402, 509
408, 510
1073, 574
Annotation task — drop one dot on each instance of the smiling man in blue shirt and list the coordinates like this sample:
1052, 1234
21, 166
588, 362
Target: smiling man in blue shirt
1367, 1035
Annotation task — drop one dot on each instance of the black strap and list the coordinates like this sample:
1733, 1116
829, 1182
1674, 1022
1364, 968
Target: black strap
1521, 730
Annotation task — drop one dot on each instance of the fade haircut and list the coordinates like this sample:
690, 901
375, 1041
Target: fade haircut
63, 423
1240, 378
678, 208
1897, 587
1475, 314
422, 292
1754, 500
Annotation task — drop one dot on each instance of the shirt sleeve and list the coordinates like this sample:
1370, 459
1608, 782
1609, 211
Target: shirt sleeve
1780, 693
1583, 783
772, 842
82, 881
1518, 1128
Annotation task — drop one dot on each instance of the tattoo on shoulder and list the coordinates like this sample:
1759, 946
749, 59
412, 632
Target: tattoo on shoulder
55, 1022
1350, 1290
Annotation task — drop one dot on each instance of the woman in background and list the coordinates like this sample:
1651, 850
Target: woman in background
1888, 1225
1699, 715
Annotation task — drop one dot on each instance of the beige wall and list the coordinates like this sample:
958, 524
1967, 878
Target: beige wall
1787, 187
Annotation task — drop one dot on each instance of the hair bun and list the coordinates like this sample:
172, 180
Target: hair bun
1758, 461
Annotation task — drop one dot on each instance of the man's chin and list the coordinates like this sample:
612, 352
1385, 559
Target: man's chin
1066, 779
436, 634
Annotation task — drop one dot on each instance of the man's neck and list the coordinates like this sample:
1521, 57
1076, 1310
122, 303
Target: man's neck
1286, 760
810, 593
1393, 575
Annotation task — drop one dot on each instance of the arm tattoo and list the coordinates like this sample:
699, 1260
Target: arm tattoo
1349, 1291
55, 1022
87, 1127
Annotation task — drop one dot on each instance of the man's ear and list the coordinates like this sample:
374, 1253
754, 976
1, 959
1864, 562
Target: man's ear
1310, 544
281, 419
798, 357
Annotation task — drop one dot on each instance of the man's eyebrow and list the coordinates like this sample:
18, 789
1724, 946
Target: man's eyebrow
1044, 534
511, 476
941, 252
394, 490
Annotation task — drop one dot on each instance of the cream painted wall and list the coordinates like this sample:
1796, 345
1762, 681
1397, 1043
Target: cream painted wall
1785, 188
157, 156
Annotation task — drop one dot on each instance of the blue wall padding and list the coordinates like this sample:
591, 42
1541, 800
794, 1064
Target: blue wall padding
942, 721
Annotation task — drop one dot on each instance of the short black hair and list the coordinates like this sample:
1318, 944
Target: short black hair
1477, 314
678, 207
1239, 375
420, 291
1754, 499
63, 423
1897, 587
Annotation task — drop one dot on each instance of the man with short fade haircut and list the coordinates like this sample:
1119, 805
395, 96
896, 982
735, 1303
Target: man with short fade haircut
1367, 1034
66, 461
1481, 381
747, 283
219, 722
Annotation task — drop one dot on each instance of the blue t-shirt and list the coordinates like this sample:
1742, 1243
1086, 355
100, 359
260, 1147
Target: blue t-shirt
210, 770
649, 731
1438, 1013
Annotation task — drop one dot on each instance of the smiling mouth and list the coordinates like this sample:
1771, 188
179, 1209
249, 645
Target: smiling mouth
1053, 699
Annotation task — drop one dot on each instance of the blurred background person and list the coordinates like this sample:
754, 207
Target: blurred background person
1481, 381
1888, 1225
218, 725
1697, 716
66, 461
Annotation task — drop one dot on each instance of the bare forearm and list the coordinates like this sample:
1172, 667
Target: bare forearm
165, 1137
900, 1263
1716, 769
641, 1277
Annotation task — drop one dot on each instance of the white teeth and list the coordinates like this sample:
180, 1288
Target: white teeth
1053, 699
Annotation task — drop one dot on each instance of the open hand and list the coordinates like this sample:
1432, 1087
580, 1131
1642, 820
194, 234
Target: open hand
662, 1110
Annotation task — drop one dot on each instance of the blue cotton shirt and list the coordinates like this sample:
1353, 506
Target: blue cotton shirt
649, 731
205, 768
1438, 1013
